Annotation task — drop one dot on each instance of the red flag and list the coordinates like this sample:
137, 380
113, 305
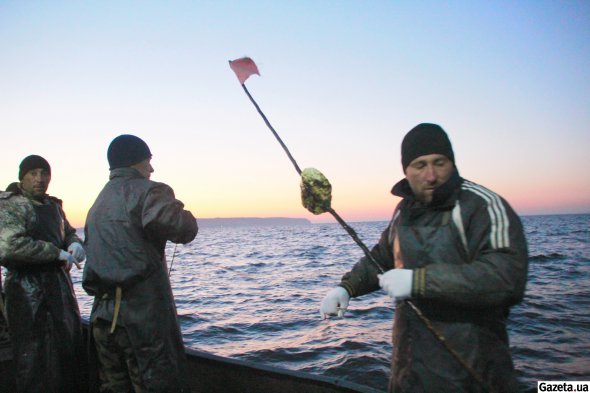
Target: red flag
243, 68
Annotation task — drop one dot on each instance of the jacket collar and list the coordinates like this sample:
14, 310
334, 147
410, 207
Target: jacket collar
16, 189
125, 172
441, 198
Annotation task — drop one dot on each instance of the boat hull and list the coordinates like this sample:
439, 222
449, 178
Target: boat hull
211, 374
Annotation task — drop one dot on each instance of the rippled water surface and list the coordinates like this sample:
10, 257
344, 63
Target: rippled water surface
253, 293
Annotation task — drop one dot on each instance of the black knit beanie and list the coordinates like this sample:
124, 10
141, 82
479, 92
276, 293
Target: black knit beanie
126, 150
32, 162
425, 138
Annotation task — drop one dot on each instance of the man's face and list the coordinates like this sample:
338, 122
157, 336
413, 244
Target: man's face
426, 173
144, 167
35, 182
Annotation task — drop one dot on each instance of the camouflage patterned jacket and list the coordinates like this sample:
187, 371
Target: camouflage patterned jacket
17, 220
43, 316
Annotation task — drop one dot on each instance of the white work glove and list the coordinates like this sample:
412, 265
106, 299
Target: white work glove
68, 259
397, 283
335, 302
77, 251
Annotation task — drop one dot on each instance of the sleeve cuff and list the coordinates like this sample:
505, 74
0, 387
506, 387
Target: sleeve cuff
347, 287
419, 282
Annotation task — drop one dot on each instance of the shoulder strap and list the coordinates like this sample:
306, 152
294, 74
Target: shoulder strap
58, 201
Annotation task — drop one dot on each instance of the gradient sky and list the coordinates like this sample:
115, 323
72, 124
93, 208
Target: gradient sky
341, 82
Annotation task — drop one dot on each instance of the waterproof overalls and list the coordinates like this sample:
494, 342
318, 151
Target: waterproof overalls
126, 233
43, 316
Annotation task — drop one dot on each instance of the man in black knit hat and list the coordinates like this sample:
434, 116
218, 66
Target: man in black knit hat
457, 252
134, 324
38, 246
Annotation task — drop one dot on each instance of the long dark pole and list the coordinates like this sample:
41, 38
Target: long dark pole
330, 210
358, 241
273, 131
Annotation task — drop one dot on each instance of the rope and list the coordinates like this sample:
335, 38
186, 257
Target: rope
172, 262
118, 295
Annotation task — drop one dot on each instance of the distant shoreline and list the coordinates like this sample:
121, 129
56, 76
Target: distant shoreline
251, 221
287, 221
274, 221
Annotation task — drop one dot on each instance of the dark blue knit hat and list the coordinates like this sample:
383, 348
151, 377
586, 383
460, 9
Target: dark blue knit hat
424, 139
126, 150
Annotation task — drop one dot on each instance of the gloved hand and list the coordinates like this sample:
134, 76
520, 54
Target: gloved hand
397, 283
77, 251
68, 260
335, 302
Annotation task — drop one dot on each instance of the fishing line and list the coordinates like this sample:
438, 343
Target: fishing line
172, 261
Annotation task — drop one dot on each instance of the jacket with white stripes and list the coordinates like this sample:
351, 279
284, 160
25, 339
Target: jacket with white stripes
469, 257
494, 262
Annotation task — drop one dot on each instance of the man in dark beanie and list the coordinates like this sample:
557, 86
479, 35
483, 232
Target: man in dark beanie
457, 252
134, 324
33, 162
38, 246
425, 139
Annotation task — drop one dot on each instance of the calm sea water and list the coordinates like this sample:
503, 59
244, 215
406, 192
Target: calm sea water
253, 293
